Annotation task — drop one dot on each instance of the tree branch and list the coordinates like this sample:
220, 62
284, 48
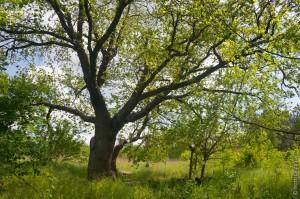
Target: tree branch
279, 55
111, 28
29, 43
135, 97
142, 84
90, 23
136, 134
283, 82
62, 18
107, 57
230, 92
80, 19
264, 127
68, 110
151, 105
30, 30
185, 83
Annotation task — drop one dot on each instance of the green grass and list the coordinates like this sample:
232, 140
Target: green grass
160, 180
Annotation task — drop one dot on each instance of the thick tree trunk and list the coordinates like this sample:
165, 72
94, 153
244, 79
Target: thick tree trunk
101, 152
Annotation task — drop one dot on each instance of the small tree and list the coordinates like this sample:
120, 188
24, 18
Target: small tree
22, 146
26, 139
206, 125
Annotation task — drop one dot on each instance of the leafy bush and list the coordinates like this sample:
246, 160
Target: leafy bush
185, 155
63, 141
26, 139
248, 159
256, 149
21, 149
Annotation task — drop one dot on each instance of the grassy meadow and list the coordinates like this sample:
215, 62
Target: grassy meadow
163, 180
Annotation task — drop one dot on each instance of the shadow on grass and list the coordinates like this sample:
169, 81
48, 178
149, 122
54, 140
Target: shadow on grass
65, 168
155, 180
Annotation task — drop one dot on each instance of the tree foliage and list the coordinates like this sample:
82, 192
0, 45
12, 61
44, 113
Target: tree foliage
26, 139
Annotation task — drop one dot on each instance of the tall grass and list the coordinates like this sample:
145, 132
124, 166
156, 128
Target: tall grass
164, 180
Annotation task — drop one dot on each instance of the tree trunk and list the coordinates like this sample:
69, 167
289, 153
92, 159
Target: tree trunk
203, 170
115, 155
196, 162
191, 164
101, 152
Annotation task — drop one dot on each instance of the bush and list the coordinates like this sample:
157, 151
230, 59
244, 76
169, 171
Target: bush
63, 141
248, 159
26, 139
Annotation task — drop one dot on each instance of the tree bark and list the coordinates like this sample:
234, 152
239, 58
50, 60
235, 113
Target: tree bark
115, 155
196, 162
191, 164
101, 152
203, 170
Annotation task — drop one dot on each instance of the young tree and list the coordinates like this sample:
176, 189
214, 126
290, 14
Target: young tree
29, 139
149, 52
206, 123
23, 148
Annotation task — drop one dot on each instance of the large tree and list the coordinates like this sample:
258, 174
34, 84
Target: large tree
134, 54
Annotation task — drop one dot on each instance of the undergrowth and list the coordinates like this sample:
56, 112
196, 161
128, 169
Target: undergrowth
160, 180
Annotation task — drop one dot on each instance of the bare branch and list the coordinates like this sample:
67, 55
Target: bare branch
68, 110
217, 55
264, 127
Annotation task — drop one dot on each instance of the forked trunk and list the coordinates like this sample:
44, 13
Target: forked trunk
101, 152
